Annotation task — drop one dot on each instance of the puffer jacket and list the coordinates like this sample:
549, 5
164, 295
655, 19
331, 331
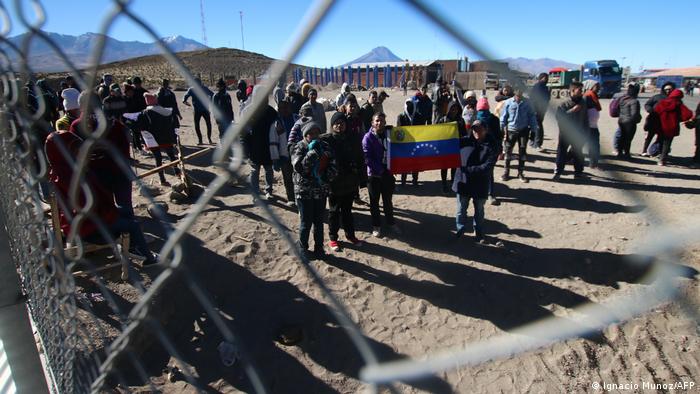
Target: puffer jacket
350, 162
314, 170
629, 110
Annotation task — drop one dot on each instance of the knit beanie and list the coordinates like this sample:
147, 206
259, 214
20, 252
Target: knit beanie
70, 98
482, 104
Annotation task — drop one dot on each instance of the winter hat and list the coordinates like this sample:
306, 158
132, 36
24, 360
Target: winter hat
482, 104
150, 99
308, 127
70, 98
469, 93
338, 116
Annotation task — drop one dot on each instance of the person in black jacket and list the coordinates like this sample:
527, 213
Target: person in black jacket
294, 99
453, 114
159, 122
472, 179
221, 100
410, 117
257, 142
351, 171
540, 96
424, 104
166, 99
652, 125
572, 119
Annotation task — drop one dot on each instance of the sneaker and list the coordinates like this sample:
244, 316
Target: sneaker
376, 232
661, 163
480, 240
494, 201
395, 229
505, 177
522, 178
164, 183
355, 241
150, 261
460, 232
334, 246
556, 176
269, 196
644, 154
291, 204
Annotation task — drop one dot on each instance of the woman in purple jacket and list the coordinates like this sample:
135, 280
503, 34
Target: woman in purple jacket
381, 181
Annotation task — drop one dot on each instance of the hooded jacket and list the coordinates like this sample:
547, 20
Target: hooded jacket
410, 118
672, 112
160, 122
314, 168
222, 101
629, 107
340, 98
319, 114
425, 107
477, 160
375, 151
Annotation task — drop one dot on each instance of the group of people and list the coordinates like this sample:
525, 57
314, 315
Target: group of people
327, 164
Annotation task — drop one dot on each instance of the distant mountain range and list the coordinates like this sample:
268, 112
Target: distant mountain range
79, 50
536, 66
376, 55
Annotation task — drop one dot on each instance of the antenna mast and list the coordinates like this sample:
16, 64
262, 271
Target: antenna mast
242, 41
204, 29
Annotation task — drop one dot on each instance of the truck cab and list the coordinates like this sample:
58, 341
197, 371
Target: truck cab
607, 73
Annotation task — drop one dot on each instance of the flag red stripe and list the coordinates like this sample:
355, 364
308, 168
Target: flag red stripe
401, 165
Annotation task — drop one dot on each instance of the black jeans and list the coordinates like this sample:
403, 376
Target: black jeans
222, 128
647, 140
594, 147
311, 212
340, 210
207, 120
563, 154
443, 177
627, 131
287, 171
520, 137
381, 187
665, 147
538, 138
170, 151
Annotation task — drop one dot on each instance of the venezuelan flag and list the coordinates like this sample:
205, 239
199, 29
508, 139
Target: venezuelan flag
422, 148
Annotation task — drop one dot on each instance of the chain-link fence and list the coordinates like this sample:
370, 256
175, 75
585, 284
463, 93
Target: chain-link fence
98, 346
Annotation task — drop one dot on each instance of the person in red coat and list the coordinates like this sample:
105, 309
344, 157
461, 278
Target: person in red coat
672, 112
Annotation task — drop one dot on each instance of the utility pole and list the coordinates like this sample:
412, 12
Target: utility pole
242, 41
204, 29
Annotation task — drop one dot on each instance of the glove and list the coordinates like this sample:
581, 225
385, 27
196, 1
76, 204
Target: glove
315, 145
276, 165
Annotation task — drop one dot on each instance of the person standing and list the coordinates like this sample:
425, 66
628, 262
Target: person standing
629, 117
166, 99
201, 109
114, 105
518, 120
257, 141
472, 179
409, 117
314, 170
368, 109
441, 99
319, 114
340, 98
294, 99
102, 89
590, 95
454, 114
160, 122
424, 105
221, 100
671, 112
540, 96
71, 108
279, 152
351, 171
139, 91
494, 137
651, 124
381, 182
696, 156
572, 119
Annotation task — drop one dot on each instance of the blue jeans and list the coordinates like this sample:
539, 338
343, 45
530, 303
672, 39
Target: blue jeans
255, 177
311, 214
461, 219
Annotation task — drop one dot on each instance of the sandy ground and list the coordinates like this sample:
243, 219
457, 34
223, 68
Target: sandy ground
425, 291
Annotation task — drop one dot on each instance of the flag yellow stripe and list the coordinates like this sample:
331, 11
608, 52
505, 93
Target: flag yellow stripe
435, 132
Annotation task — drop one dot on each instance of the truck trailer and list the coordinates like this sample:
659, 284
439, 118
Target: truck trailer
607, 73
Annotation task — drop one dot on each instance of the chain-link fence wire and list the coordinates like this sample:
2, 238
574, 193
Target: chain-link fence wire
79, 362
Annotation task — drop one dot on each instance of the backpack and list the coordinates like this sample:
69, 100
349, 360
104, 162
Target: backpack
614, 108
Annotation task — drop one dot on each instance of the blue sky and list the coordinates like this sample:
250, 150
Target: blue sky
635, 33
